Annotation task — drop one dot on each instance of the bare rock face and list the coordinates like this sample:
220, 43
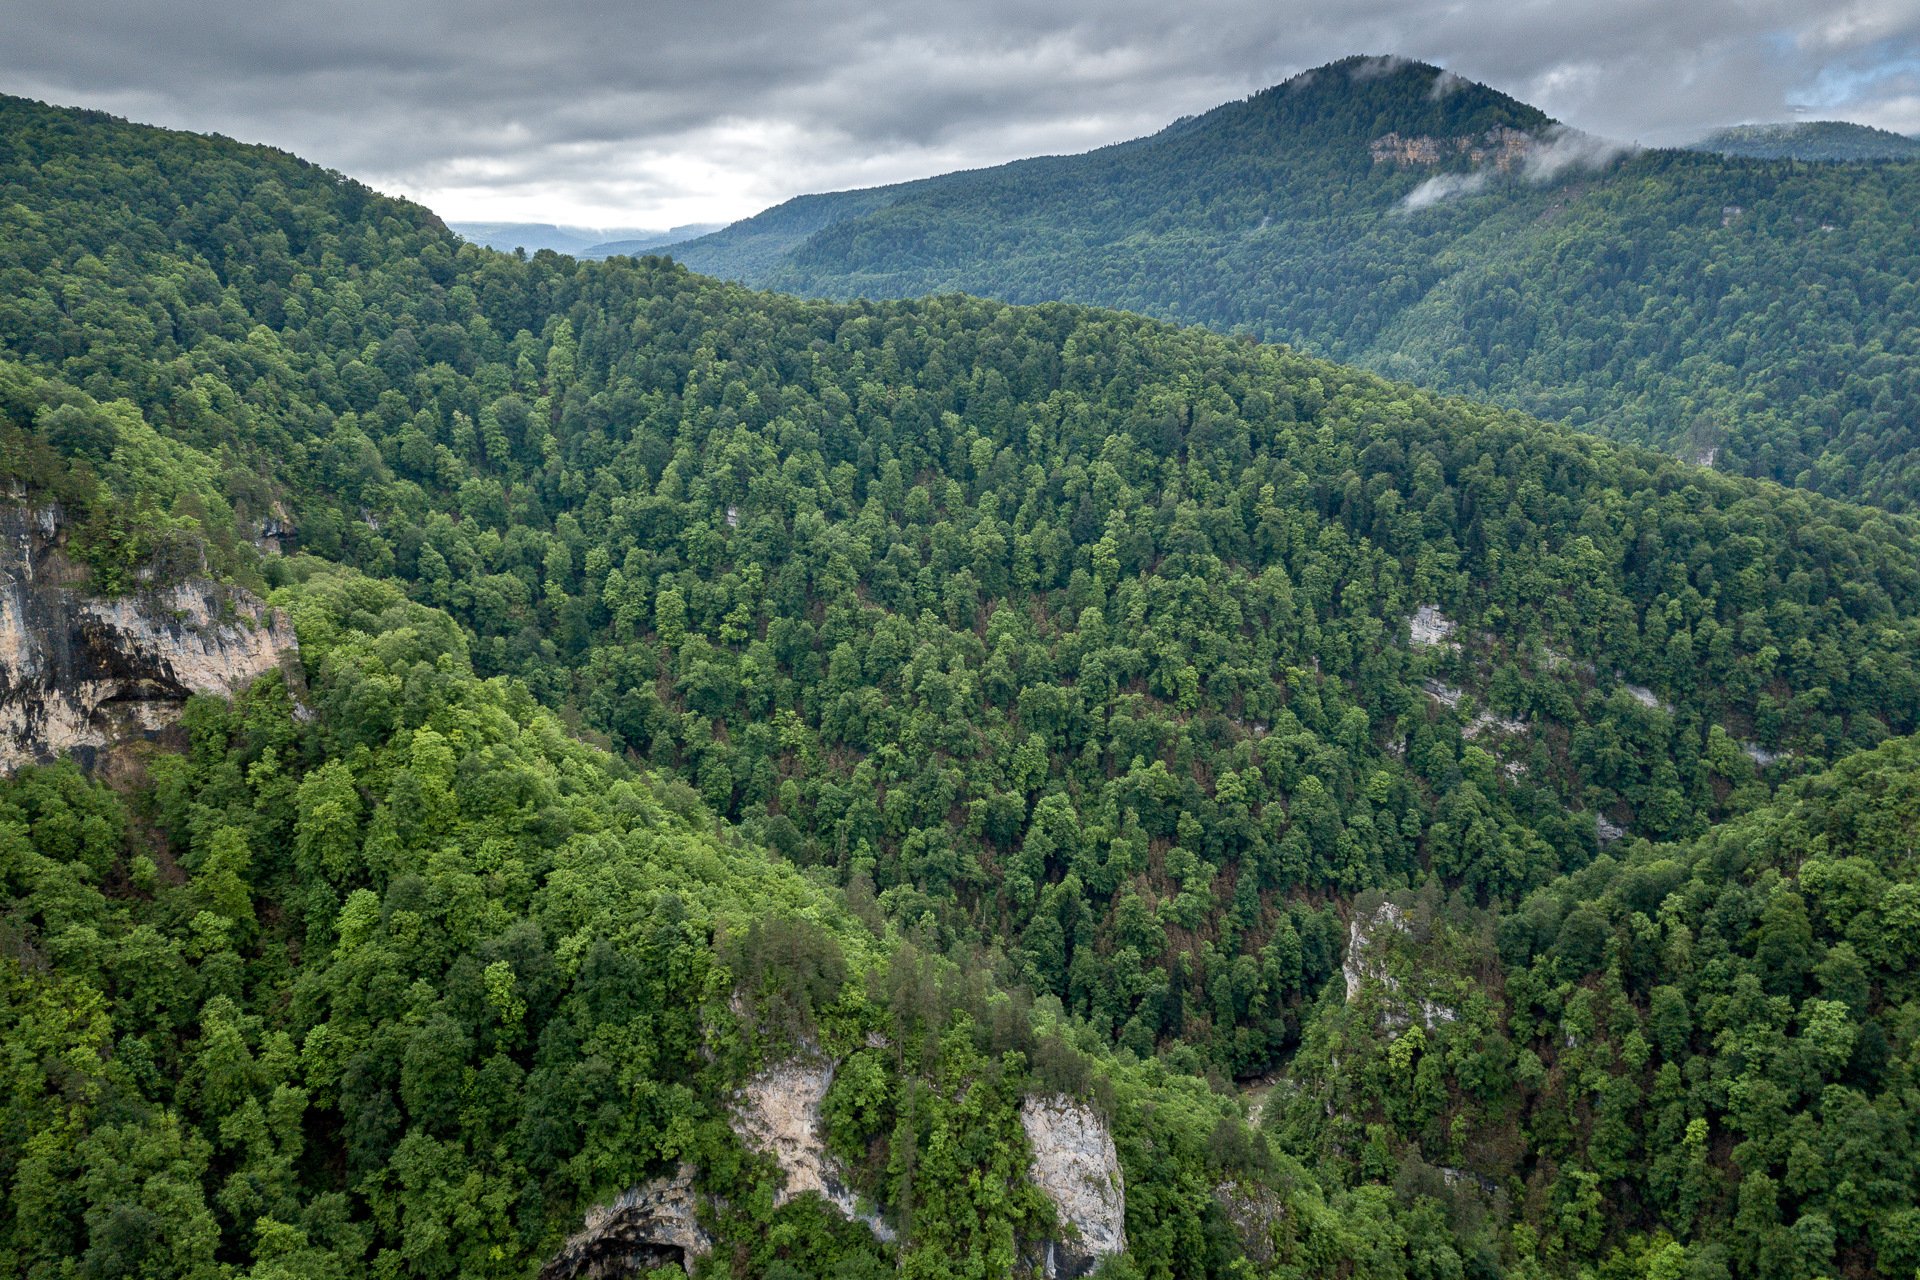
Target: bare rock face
778, 1114
1252, 1212
1364, 965
1429, 627
79, 673
1075, 1166
651, 1225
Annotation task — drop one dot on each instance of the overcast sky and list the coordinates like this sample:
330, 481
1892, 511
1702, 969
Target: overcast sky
671, 111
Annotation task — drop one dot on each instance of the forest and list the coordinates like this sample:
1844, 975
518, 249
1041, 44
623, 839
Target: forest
999, 700
1756, 314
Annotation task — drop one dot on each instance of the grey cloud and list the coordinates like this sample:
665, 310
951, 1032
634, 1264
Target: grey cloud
1567, 149
1444, 186
1562, 150
610, 111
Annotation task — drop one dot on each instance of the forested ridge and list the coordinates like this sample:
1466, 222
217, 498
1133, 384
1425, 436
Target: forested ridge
998, 699
1810, 140
1755, 313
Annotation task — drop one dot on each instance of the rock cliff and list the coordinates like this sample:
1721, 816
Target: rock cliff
778, 1113
1368, 938
78, 673
1075, 1166
651, 1225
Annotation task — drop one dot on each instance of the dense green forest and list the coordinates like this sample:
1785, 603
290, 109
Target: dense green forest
1810, 140
999, 699
1756, 314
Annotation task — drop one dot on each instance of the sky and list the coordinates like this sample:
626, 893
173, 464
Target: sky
652, 114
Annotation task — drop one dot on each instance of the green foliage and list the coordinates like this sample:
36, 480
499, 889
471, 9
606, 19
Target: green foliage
1810, 140
994, 701
1716, 1041
1756, 314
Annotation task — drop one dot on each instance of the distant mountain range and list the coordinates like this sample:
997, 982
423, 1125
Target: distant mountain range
1809, 140
1394, 215
576, 242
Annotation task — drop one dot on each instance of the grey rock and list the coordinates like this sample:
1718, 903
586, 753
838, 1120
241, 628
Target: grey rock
79, 673
1076, 1167
651, 1225
777, 1113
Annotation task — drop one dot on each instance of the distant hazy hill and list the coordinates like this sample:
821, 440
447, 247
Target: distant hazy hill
1327, 118
1809, 140
578, 242
1395, 216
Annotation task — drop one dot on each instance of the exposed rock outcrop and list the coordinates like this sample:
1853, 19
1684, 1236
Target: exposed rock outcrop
778, 1114
78, 673
1252, 1212
651, 1225
1429, 627
1505, 149
1364, 964
1076, 1167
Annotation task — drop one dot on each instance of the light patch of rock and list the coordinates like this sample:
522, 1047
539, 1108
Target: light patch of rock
651, 1225
1646, 697
1606, 832
1429, 627
1759, 754
1364, 964
777, 1113
1485, 720
79, 673
1445, 694
1076, 1167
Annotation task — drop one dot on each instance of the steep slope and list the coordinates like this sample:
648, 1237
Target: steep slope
1062, 679
1751, 314
1809, 140
1704, 1048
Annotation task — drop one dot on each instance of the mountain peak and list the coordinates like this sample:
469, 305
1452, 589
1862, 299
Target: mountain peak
1364, 97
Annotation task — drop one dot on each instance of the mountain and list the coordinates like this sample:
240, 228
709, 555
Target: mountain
645, 242
578, 242
823, 788
1809, 140
1386, 213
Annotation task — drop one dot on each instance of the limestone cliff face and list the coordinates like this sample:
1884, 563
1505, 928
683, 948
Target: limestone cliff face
78, 673
651, 1225
1075, 1166
1502, 148
778, 1114
1369, 938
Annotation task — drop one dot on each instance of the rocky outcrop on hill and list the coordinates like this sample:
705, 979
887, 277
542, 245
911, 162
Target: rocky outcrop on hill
1502, 147
651, 1225
777, 1113
1076, 1167
78, 673
1368, 936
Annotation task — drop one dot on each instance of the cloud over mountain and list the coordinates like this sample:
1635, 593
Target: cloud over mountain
595, 111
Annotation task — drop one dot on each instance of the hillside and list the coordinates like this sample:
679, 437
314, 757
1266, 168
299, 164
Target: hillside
1755, 315
955, 724
1809, 140
1706, 1038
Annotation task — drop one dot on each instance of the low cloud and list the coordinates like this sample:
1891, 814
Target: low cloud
1560, 150
1563, 149
1374, 68
606, 112
1444, 186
